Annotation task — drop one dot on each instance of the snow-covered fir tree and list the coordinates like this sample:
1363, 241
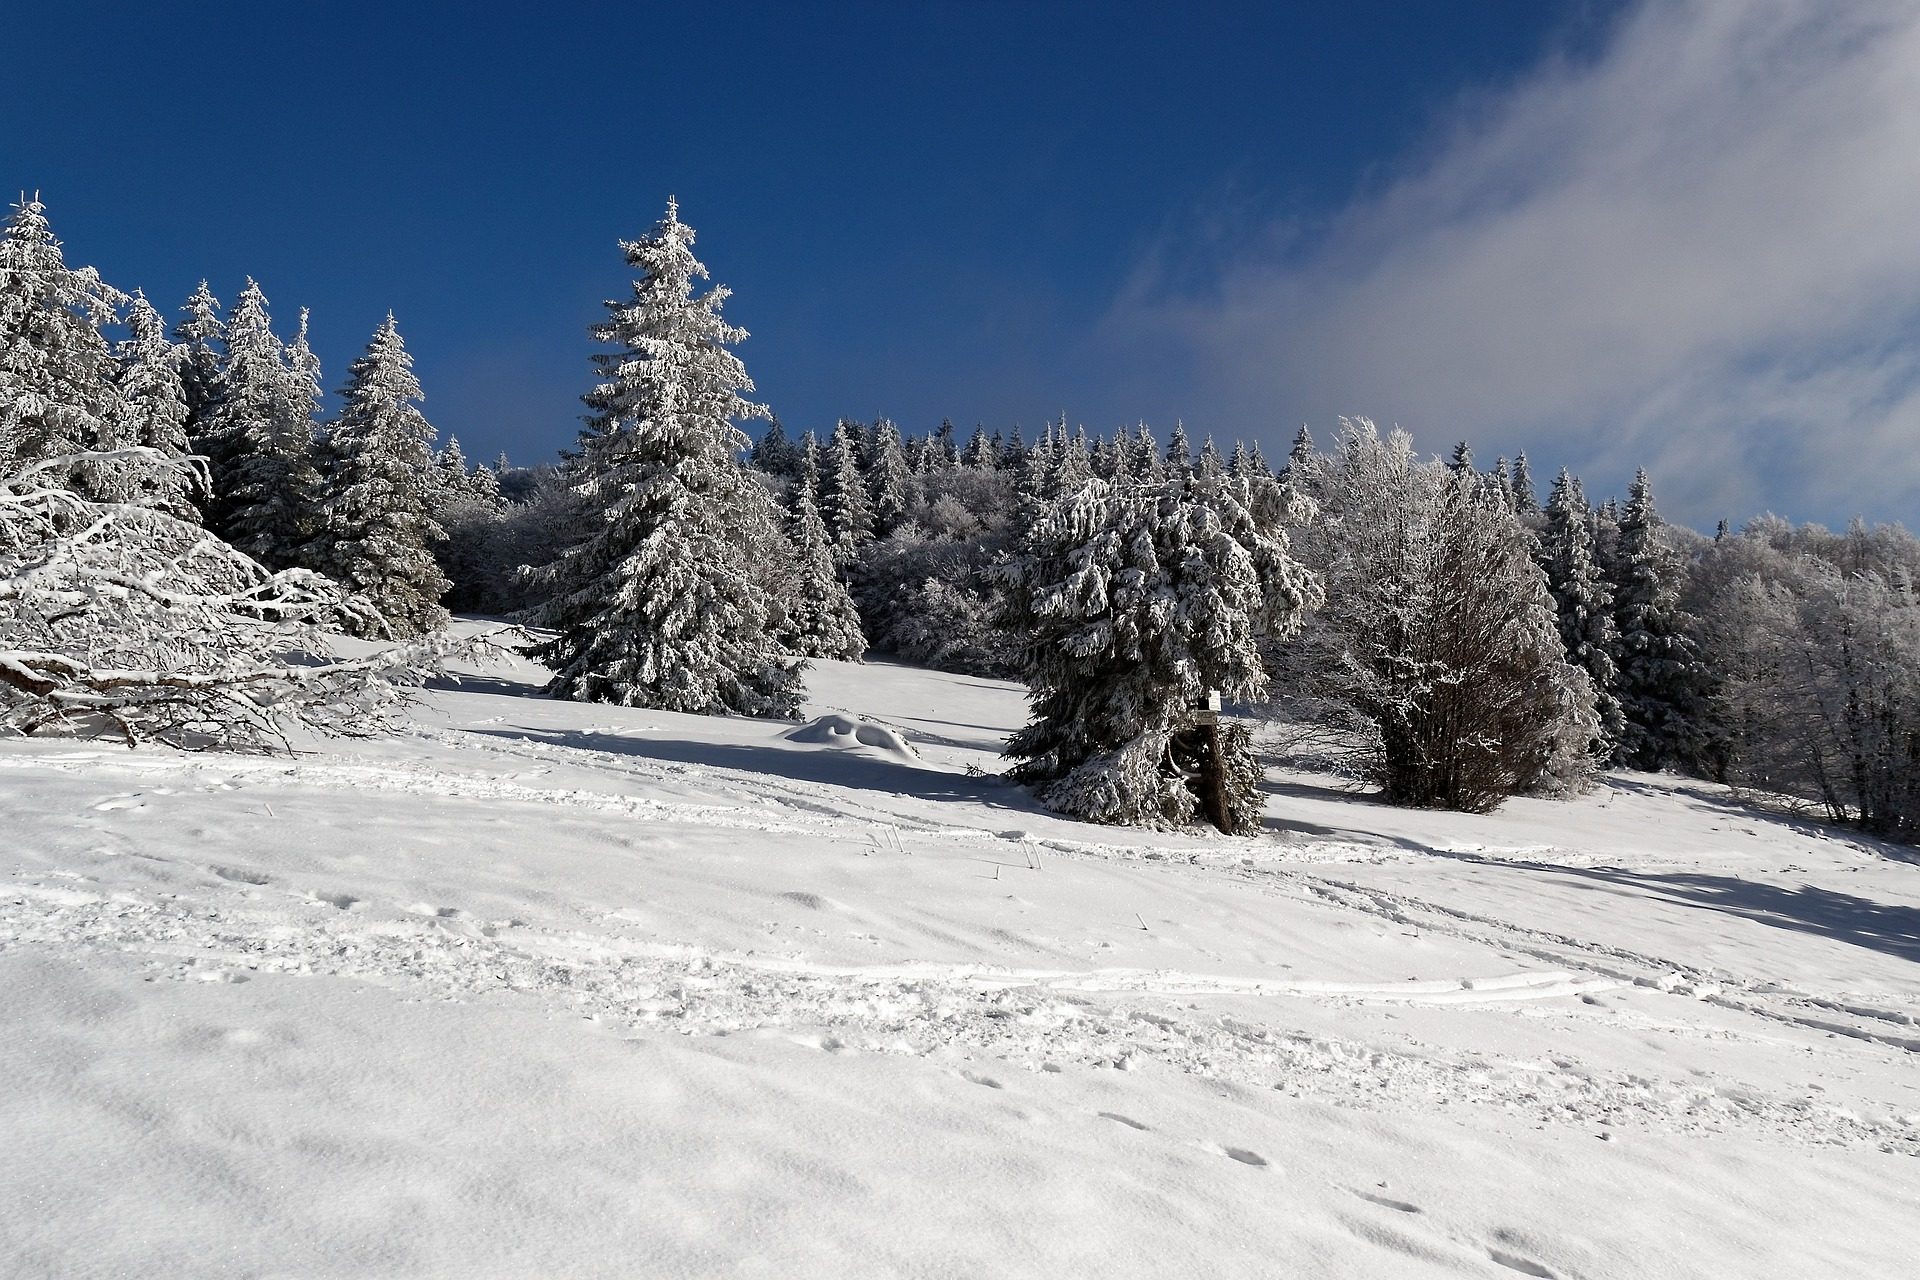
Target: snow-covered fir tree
1209, 462
1526, 499
266, 484
845, 503
1663, 681
774, 453
202, 336
1147, 464
378, 529
657, 607
1461, 460
1179, 455
1013, 451
821, 620
154, 404
888, 478
979, 455
1131, 603
58, 394
1583, 604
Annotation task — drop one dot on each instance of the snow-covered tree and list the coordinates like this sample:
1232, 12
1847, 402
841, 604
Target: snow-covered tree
1179, 457
1583, 603
1146, 463
1525, 499
1133, 602
154, 408
658, 606
261, 441
124, 619
59, 395
378, 526
1210, 463
202, 336
820, 618
774, 453
979, 455
888, 478
1435, 665
845, 503
1663, 681
1462, 458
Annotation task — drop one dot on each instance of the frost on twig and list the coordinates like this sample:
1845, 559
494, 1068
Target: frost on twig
125, 620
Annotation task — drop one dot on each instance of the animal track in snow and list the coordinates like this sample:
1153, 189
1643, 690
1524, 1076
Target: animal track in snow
1387, 1202
241, 875
1128, 1121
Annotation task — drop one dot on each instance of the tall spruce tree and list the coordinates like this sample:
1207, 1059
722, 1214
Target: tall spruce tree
202, 337
657, 607
1179, 458
58, 391
378, 528
889, 479
1663, 680
844, 501
1526, 500
267, 499
1582, 601
154, 401
821, 620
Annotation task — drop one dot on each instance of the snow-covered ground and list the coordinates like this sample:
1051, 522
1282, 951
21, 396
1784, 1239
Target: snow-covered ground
540, 989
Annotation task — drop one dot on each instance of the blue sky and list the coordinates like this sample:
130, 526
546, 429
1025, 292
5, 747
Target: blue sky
1605, 233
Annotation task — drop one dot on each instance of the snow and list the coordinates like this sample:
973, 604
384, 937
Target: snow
540, 988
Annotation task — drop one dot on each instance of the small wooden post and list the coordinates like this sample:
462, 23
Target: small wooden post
1199, 744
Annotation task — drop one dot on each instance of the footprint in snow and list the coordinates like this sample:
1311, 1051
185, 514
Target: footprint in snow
128, 800
974, 1077
1245, 1156
344, 901
240, 875
1526, 1267
1386, 1202
1128, 1121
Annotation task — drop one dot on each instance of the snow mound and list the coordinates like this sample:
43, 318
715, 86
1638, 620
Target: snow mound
852, 733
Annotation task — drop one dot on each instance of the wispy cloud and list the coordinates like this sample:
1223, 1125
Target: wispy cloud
1697, 249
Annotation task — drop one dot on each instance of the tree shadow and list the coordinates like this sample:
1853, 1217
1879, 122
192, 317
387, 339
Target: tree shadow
1892, 930
1708, 797
1343, 794
828, 767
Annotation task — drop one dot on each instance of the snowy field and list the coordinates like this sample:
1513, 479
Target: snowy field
548, 990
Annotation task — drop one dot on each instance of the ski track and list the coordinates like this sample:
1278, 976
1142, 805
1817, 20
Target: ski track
1036, 1019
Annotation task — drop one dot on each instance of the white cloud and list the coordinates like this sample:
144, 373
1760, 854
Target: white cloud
1699, 249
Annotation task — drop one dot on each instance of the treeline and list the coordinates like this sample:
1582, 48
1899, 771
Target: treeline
1445, 632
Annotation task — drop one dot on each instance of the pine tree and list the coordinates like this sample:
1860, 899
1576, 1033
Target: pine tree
947, 455
154, 401
266, 500
202, 338
979, 455
1663, 680
1461, 462
1210, 462
1179, 457
59, 394
378, 530
1148, 465
1133, 602
1238, 461
657, 607
1525, 500
844, 502
1502, 477
1257, 461
773, 453
1582, 602
1302, 449
1013, 454
889, 479
821, 620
